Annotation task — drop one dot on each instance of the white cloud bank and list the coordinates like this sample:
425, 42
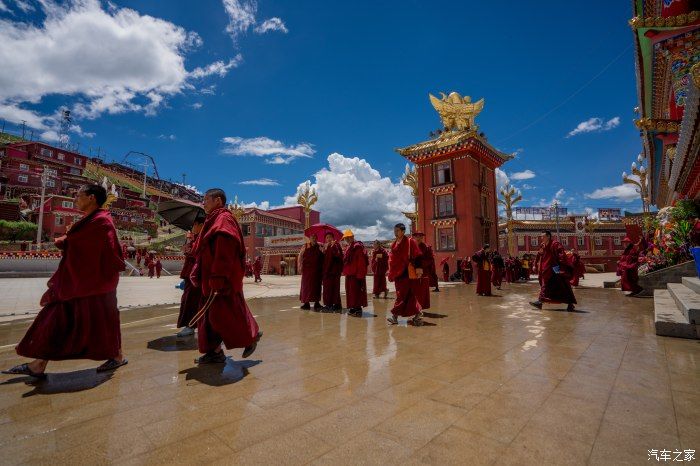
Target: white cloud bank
622, 192
524, 175
594, 125
352, 194
274, 152
112, 60
260, 182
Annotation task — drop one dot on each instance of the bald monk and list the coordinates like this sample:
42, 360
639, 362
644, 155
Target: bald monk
355, 264
628, 264
332, 270
555, 273
219, 271
483, 271
311, 260
79, 318
405, 252
191, 295
380, 265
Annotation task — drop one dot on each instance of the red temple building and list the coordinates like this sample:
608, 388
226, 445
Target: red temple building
667, 46
456, 182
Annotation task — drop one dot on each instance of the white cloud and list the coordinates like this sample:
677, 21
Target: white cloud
197, 105
593, 125
622, 192
190, 187
170, 137
352, 194
241, 15
109, 61
4, 7
275, 152
591, 213
272, 24
264, 205
261, 182
219, 68
558, 196
524, 175
209, 90
24, 5
501, 179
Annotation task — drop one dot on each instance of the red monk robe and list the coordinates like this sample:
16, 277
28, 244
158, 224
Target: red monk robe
555, 287
311, 260
380, 265
445, 269
578, 269
220, 265
497, 270
422, 284
402, 253
429, 264
627, 268
191, 295
80, 318
257, 269
483, 272
332, 270
355, 264
467, 271
159, 267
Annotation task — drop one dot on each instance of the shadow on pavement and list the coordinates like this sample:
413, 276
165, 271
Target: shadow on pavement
63, 382
173, 343
217, 375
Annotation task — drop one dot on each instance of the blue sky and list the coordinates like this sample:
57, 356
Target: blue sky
223, 89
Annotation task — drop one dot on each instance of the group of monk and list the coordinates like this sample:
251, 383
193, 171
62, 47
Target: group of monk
254, 268
79, 318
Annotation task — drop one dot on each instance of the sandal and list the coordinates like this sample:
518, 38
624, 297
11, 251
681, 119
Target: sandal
211, 358
112, 364
248, 350
23, 369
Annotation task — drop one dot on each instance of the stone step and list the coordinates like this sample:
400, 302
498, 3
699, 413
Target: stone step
669, 321
692, 282
687, 300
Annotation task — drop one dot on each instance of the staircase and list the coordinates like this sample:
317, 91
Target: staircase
677, 309
266, 265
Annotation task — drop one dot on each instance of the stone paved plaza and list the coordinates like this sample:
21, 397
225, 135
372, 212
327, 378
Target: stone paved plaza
488, 381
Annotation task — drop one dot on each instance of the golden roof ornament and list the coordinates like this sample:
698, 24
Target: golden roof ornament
306, 197
456, 112
236, 208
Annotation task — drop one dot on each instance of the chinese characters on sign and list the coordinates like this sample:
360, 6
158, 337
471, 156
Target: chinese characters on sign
671, 456
540, 213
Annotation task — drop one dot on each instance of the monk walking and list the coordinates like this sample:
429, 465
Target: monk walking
445, 269
191, 295
405, 254
380, 265
159, 267
628, 264
422, 283
483, 271
219, 270
555, 272
332, 270
257, 268
79, 318
498, 269
355, 264
311, 260
467, 270
578, 268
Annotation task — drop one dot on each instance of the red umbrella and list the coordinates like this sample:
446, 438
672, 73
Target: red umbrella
321, 229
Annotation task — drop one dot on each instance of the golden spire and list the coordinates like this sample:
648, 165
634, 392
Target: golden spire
456, 112
236, 208
307, 197
410, 179
509, 197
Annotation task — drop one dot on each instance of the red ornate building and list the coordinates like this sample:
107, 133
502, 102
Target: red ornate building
667, 46
456, 182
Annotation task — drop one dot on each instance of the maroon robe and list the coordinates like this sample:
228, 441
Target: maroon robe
79, 318
467, 271
219, 267
445, 269
191, 295
311, 273
257, 268
355, 264
483, 273
332, 270
159, 267
578, 269
380, 265
429, 267
423, 284
403, 253
509, 270
555, 287
497, 271
627, 269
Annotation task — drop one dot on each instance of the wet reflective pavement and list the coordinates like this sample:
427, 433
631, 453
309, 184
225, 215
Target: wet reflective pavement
491, 381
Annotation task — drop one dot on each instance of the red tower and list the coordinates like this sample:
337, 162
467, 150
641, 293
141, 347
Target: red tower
457, 206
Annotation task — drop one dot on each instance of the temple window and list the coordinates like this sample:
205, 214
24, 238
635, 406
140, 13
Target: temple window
445, 204
598, 240
580, 241
617, 241
446, 239
442, 173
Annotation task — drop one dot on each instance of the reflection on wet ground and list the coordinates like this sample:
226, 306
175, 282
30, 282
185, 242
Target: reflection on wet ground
488, 379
